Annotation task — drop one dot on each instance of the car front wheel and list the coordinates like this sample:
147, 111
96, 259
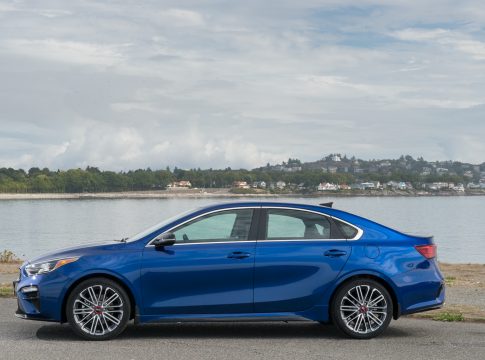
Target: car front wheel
362, 309
98, 309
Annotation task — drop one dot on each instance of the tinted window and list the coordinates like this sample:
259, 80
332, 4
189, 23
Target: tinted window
294, 224
230, 225
348, 231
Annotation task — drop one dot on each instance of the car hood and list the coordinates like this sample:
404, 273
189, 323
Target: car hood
78, 250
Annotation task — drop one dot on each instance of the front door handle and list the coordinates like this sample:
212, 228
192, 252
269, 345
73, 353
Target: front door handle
335, 253
238, 255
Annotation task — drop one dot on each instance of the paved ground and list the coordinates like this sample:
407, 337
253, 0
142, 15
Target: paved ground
405, 339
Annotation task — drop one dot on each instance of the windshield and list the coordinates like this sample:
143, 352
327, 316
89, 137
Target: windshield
155, 227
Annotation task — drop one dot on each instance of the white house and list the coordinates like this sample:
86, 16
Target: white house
327, 187
182, 184
280, 185
259, 184
459, 188
368, 185
240, 185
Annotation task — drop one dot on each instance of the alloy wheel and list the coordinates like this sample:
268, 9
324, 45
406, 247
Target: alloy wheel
98, 310
363, 309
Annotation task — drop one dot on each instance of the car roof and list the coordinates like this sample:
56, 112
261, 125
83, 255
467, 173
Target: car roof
231, 204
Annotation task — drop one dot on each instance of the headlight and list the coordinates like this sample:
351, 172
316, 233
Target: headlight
47, 266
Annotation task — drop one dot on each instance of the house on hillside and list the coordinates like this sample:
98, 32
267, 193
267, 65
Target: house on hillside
327, 187
259, 184
240, 185
280, 185
332, 169
182, 184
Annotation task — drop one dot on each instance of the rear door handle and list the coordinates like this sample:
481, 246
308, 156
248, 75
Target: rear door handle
238, 255
335, 253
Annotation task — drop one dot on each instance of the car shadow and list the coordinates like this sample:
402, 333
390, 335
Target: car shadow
222, 330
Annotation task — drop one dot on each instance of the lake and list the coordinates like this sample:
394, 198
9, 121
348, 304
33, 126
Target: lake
32, 227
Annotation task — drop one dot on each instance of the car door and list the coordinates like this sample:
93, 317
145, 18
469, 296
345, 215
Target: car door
209, 270
296, 259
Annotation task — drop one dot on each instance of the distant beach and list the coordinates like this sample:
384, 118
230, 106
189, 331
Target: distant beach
225, 193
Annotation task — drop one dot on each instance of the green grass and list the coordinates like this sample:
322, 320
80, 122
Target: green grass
449, 316
450, 280
6, 291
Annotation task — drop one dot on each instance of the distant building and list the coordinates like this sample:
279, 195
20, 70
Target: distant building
332, 169
240, 185
425, 171
473, 186
392, 184
344, 187
291, 169
259, 184
368, 185
327, 187
280, 185
459, 188
399, 185
336, 158
438, 186
182, 184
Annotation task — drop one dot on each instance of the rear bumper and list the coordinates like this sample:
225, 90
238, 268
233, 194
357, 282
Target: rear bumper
432, 304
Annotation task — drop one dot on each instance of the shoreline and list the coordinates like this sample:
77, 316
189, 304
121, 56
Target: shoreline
223, 193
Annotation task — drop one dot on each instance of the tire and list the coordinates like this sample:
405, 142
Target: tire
361, 309
98, 309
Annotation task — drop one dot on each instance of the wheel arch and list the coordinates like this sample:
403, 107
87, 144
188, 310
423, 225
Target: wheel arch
114, 278
396, 307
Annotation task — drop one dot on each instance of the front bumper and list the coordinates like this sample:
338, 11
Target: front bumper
37, 299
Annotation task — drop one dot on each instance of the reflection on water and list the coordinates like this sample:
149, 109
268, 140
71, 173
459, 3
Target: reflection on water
31, 227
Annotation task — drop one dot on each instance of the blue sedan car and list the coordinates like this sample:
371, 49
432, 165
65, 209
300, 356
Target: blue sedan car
239, 261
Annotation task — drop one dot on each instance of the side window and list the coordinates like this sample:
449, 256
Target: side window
229, 225
283, 224
348, 231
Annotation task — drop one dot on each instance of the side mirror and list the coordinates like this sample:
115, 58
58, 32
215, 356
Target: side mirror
167, 239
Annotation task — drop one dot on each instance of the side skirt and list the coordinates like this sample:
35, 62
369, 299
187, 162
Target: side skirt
220, 318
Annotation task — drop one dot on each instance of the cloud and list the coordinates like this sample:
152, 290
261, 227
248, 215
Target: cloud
420, 34
458, 40
65, 51
238, 84
181, 17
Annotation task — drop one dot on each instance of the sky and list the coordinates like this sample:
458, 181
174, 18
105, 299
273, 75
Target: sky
134, 84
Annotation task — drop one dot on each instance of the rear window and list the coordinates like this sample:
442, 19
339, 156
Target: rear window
296, 225
348, 231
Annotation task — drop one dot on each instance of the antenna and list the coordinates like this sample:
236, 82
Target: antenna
327, 204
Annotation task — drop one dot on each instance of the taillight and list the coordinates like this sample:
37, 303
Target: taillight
428, 251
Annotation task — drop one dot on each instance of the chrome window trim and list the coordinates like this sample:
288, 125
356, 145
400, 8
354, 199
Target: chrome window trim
359, 234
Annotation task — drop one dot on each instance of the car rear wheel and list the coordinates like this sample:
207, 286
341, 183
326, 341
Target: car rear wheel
98, 309
362, 309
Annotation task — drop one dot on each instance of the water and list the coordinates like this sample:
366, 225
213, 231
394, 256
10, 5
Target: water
32, 227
